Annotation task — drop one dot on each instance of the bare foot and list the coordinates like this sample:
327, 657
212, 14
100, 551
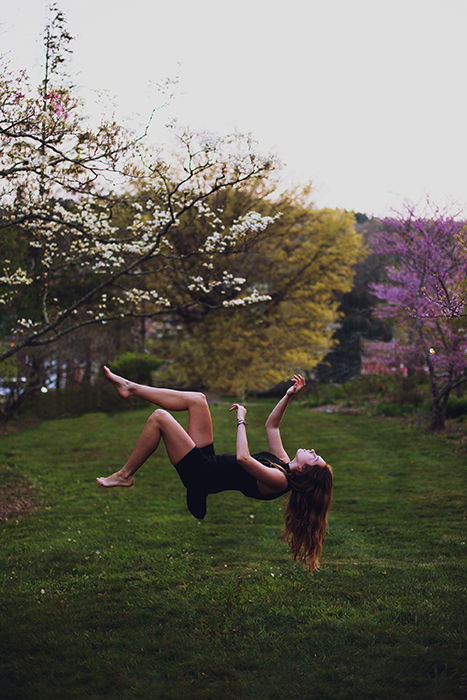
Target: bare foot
115, 480
123, 386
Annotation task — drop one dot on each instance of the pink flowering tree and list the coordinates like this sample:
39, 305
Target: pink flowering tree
395, 356
68, 257
425, 295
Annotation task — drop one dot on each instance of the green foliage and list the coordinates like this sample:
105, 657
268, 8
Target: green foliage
136, 366
393, 388
120, 593
10, 369
456, 407
387, 408
398, 387
302, 262
322, 394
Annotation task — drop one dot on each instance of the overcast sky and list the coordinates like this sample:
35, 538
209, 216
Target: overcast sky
364, 98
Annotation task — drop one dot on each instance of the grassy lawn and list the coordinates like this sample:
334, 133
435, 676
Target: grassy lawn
121, 593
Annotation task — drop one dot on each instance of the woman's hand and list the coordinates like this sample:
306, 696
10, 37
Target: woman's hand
241, 411
298, 384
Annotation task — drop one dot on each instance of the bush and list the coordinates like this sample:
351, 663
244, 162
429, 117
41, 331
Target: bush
386, 408
136, 366
391, 388
456, 407
371, 384
315, 401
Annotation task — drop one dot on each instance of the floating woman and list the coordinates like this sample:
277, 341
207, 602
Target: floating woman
264, 476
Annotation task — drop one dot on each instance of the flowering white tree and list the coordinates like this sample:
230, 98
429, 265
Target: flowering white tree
75, 242
68, 261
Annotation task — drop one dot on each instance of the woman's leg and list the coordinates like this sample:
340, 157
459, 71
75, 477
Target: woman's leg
200, 421
159, 424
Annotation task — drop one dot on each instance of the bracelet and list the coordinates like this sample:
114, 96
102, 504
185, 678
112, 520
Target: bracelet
240, 422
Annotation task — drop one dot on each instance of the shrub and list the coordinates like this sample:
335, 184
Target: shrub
326, 393
386, 408
370, 384
389, 387
136, 366
456, 407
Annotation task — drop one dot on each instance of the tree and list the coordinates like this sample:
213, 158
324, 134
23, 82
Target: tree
300, 263
424, 293
67, 263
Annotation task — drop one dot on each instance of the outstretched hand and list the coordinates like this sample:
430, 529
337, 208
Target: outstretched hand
298, 384
241, 410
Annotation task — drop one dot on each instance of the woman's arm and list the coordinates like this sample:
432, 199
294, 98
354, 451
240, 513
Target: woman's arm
272, 424
271, 477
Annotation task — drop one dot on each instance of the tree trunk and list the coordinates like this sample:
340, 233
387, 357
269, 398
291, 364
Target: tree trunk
439, 398
142, 335
58, 378
438, 415
33, 370
68, 374
438, 409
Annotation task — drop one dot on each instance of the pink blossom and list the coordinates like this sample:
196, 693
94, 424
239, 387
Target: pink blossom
56, 105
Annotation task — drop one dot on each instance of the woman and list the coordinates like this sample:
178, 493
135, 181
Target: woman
264, 476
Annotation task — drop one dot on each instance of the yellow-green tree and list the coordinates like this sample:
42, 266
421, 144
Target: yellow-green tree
301, 263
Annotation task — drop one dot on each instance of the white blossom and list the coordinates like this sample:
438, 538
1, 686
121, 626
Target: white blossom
252, 222
199, 284
26, 323
253, 298
15, 278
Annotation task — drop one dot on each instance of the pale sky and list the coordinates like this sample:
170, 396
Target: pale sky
364, 98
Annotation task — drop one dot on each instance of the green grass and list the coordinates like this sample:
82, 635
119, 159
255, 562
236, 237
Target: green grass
121, 593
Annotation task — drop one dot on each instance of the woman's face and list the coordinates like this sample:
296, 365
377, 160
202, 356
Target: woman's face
305, 457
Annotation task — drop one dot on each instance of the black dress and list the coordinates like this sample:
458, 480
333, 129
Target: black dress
203, 472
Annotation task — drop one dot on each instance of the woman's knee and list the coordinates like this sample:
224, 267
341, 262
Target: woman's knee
198, 397
158, 417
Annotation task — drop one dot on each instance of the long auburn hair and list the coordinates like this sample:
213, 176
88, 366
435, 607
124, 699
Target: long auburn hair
306, 513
